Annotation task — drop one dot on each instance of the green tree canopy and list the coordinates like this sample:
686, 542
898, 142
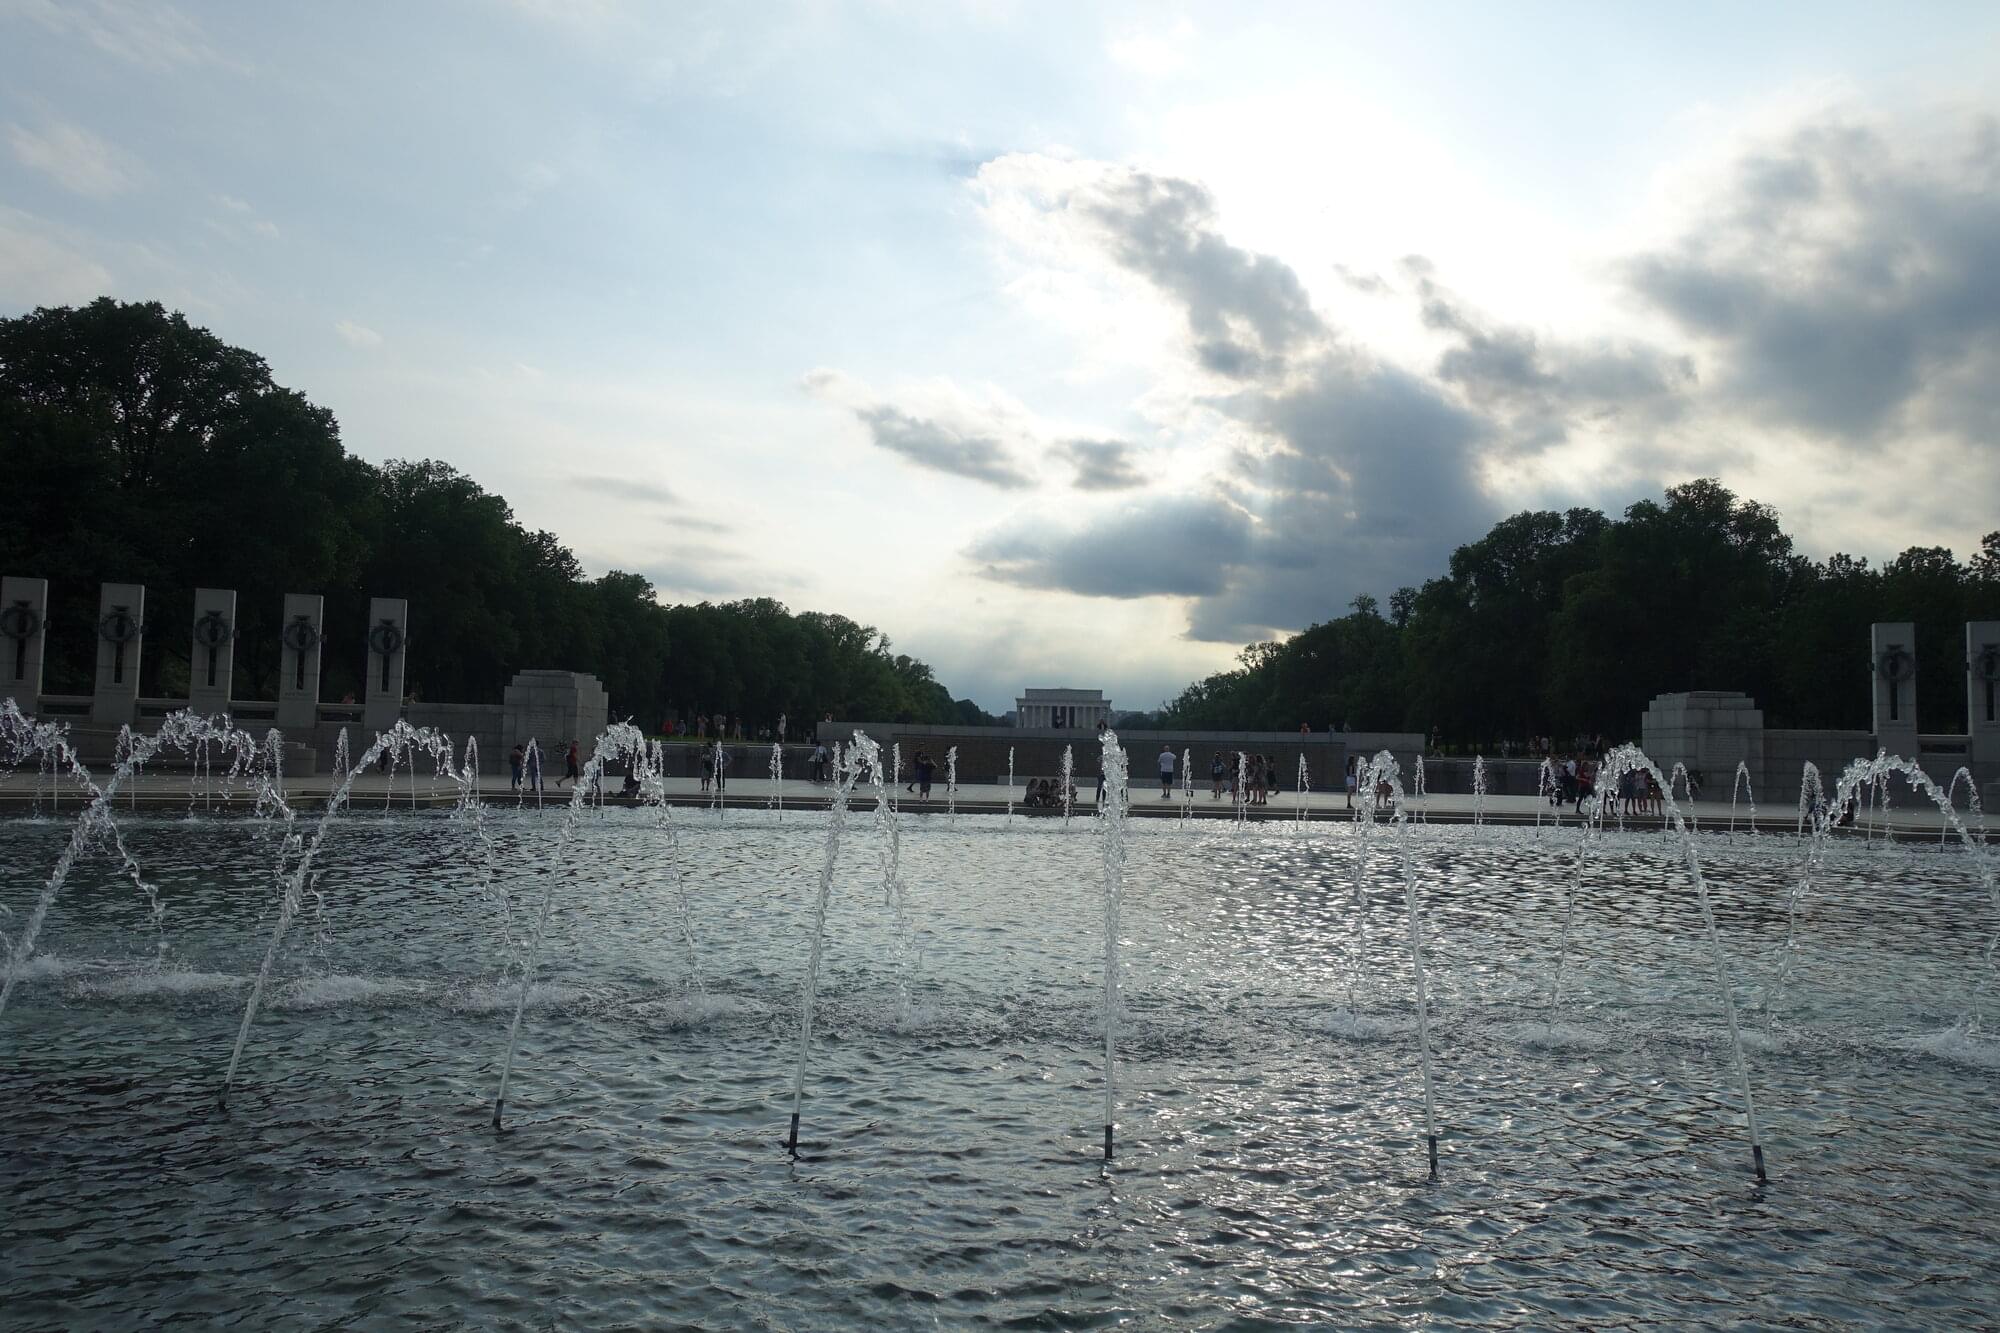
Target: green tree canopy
146, 450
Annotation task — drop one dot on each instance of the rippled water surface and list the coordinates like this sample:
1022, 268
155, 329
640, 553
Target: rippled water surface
1270, 1168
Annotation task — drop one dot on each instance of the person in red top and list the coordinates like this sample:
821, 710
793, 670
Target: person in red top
570, 770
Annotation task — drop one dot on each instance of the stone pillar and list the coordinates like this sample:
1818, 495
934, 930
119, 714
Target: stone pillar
121, 630
388, 648
1710, 731
212, 658
24, 627
553, 708
1892, 648
1982, 698
298, 664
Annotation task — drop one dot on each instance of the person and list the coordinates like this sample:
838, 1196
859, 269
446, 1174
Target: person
1216, 769
1353, 782
535, 768
925, 767
707, 768
570, 770
515, 758
722, 761
916, 766
1167, 761
819, 762
631, 787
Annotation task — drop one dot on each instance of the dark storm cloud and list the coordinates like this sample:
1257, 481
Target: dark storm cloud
1177, 545
1102, 465
1845, 288
1358, 477
1365, 481
1248, 313
1371, 482
1536, 389
943, 447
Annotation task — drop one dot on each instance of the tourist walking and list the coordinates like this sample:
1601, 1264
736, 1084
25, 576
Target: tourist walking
925, 766
1353, 781
570, 770
515, 759
707, 768
1216, 770
1167, 761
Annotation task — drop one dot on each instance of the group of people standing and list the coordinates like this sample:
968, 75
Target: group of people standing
1637, 791
524, 763
1248, 778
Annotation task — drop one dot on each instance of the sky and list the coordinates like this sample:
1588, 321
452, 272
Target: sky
1067, 344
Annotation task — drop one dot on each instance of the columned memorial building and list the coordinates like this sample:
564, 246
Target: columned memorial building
1062, 709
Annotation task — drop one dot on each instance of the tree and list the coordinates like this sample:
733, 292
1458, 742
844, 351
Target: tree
148, 450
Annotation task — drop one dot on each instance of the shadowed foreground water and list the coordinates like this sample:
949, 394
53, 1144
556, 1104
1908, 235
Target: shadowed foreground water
1270, 1169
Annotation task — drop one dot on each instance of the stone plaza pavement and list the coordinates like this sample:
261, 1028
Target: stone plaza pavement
22, 792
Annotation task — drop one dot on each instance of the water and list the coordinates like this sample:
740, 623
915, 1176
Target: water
1187, 985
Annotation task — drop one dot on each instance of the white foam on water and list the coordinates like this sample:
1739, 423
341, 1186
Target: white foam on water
697, 1011
338, 992
172, 982
1362, 1027
45, 967
1551, 1036
1955, 1045
1756, 1039
498, 996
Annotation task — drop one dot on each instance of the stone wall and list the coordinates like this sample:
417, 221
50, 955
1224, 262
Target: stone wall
1786, 753
482, 722
1037, 752
1710, 731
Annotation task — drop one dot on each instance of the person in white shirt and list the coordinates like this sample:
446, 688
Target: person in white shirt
1167, 761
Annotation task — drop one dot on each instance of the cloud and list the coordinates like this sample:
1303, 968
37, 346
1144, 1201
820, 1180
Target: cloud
36, 269
1247, 314
980, 441
943, 447
1844, 283
1537, 388
357, 335
625, 488
1184, 546
1102, 465
658, 496
1331, 473
139, 32
77, 159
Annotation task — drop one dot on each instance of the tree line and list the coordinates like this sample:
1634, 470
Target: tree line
140, 449
1568, 624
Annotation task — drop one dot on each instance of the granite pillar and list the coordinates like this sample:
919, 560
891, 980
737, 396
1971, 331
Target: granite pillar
1892, 651
212, 657
298, 662
121, 631
388, 650
24, 624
